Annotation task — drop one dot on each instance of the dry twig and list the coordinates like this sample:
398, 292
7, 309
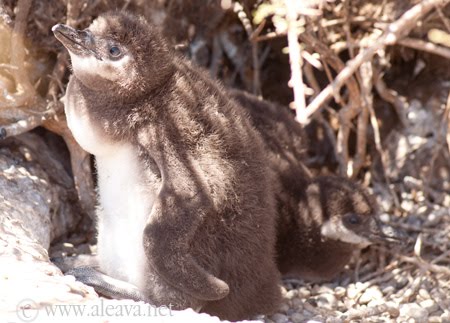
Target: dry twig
393, 33
239, 10
295, 59
425, 46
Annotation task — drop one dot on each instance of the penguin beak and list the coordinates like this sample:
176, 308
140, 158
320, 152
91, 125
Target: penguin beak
384, 233
78, 42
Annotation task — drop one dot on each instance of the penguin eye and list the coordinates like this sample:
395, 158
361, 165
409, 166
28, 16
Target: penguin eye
114, 51
353, 219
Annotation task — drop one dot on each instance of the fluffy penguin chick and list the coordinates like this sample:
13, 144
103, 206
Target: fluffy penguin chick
186, 210
333, 218
321, 221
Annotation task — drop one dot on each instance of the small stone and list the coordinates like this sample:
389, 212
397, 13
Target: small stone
297, 303
388, 290
303, 292
384, 217
370, 294
297, 318
401, 282
291, 294
445, 317
423, 293
352, 291
317, 290
429, 305
434, 319
333, 320
280, 318
339, 292
284, 308
307, 313
327, 301
290, 311
376, 302
413, 310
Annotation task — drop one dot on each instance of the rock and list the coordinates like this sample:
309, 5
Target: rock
423, 293
36, 189
304, 292
297, 303
321, 289
280, 318
297, 318
445, 317
434, 319
388, 290
370, 294
352, 291
429, 305
327, 301
284, 308
339, 292
413, 310
291, 294
401, 282
376, 302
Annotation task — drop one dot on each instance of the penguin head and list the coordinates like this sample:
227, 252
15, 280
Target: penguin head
119, 52
346, 212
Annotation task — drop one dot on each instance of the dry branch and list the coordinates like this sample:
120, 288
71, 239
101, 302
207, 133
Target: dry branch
24, 87
30, 122
392, 34
239, 10
295, 59
425, 46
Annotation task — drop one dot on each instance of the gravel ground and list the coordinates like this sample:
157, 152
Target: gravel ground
405, 283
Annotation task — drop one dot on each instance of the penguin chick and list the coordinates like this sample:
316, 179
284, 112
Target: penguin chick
333, 218
186, 213
320, 221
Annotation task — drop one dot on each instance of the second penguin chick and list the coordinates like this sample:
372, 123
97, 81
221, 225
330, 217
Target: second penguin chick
333, 218
320, 221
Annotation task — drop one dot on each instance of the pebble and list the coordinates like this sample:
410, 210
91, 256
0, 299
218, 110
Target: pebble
325, 289
384, 217
401, 282
388, 290
339, 292
297, 303
434, 319
291, 294
376, 302
370, 294
424, 293
297, 318
413, 310
327, 301
429, 305
445, 317
280, 318
284, 307
352, 291
307, 313
304, 292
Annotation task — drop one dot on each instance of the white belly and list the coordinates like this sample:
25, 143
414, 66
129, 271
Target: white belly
126, 196
125, 204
